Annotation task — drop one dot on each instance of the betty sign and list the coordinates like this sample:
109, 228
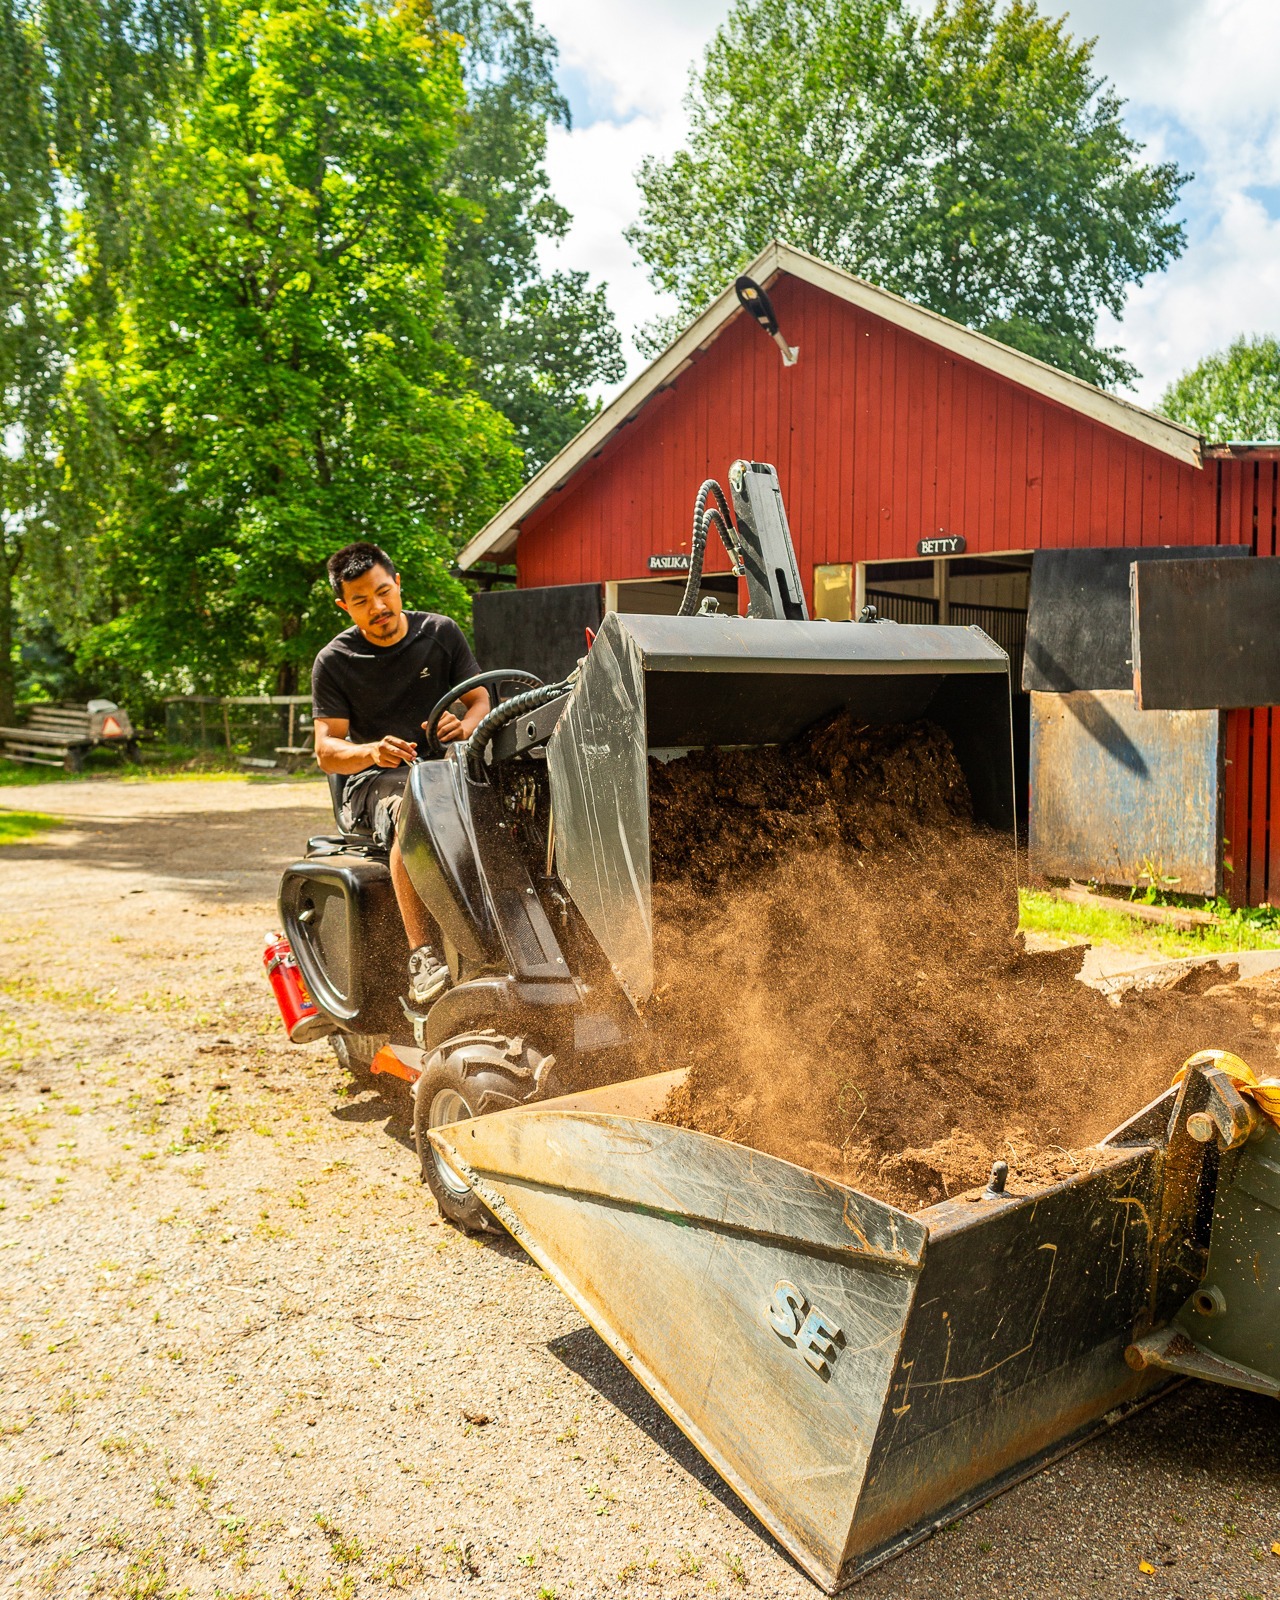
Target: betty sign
946, 544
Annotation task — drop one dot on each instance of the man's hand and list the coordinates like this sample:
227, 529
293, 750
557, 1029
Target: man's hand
449, 729
391, 752
335, 753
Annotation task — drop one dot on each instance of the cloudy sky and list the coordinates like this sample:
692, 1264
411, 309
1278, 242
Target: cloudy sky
1200, 78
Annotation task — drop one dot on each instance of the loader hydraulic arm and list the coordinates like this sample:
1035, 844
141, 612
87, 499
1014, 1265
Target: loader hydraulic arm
757, 538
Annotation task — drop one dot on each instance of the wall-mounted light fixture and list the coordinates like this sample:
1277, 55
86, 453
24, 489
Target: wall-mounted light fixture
753, 299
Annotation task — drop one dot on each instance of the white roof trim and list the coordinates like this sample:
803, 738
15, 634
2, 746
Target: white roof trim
497, 538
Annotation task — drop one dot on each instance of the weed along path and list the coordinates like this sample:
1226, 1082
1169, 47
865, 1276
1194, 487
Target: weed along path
242, 1357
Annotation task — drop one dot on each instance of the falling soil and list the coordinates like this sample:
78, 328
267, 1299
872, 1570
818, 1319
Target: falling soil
840, 972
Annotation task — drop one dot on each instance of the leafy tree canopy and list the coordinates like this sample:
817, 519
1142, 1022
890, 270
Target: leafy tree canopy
1233, 395
971, 160
540, 342
30, 355
113, 68
280, 386
81, 84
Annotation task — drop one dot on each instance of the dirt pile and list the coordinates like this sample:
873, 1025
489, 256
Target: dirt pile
839, 970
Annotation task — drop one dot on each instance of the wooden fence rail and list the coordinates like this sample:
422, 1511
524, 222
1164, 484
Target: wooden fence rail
252, 722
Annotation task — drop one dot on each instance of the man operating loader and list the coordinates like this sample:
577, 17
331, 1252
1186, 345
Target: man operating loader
371, 688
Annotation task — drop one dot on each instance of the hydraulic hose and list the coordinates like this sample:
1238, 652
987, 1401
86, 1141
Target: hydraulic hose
718, 517
488, 727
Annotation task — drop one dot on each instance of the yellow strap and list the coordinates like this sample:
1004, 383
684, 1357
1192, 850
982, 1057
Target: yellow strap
1264, 1092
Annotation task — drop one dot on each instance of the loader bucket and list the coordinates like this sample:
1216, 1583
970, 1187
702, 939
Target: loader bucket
858, 1374
660, 686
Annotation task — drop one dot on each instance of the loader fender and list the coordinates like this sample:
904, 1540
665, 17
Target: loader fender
464, 1009
438, 844
339, 915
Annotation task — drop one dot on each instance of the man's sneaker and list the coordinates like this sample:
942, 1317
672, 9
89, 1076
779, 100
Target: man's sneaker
428, 976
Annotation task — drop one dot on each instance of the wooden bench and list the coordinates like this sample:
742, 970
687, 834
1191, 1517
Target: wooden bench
62, 736
288, 757
294, 756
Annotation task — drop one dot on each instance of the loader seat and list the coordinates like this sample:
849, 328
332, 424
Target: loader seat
335, 781
328, 844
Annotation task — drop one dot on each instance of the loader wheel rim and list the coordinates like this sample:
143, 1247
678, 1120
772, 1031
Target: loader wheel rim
448, 1106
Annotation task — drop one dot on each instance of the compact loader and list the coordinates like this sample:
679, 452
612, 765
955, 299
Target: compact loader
529, 845
859, 1374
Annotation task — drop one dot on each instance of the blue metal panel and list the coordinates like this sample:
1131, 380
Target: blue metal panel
1117, 793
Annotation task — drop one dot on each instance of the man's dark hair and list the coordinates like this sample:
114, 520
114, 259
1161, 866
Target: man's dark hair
353, 561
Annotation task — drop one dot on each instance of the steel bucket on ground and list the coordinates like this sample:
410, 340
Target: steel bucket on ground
858, 1374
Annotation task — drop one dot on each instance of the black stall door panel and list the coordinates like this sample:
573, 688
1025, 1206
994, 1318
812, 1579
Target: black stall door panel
541, 630
1206, 634
1078, 614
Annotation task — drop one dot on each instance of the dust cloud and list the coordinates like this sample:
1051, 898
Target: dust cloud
839, 971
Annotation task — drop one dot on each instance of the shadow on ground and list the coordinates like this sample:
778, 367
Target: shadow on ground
224, 856
587, 1355
394, 1111
1192, 1437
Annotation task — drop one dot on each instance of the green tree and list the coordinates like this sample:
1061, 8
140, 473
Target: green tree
540, 342
81, 85
972, 161
30, 347
1233, 395
115, 67
278, 386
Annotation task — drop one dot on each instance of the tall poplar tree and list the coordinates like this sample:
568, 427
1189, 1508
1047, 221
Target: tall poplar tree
30, 359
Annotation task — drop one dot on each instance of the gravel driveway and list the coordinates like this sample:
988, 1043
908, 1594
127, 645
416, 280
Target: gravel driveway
242, 1356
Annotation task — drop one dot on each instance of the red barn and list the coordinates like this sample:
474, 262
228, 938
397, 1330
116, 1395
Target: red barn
895, 427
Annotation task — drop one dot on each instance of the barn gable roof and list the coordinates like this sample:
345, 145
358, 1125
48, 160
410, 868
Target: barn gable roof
498, 537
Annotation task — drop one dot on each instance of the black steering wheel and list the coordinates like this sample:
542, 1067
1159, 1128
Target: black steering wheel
482, 680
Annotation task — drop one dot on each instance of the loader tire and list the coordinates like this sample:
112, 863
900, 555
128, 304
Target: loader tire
465, 1077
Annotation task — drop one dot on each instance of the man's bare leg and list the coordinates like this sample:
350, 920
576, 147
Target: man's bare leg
428, 975
417, 920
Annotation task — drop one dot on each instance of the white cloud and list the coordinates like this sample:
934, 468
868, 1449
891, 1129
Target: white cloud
1209, 65
1228, 284
1201, 88
635, 53
626, 68
1199, 77
591, 174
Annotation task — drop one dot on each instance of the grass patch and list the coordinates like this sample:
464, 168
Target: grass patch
18, 775
1249, 928
16, 827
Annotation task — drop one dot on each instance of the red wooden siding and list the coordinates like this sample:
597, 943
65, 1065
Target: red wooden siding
880, 438
1249, 513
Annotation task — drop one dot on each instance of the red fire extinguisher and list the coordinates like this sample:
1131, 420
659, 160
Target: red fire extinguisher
298, 1011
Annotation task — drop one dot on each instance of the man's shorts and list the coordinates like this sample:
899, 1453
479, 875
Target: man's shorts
371, 802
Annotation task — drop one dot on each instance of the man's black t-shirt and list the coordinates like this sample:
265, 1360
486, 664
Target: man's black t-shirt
381, 689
